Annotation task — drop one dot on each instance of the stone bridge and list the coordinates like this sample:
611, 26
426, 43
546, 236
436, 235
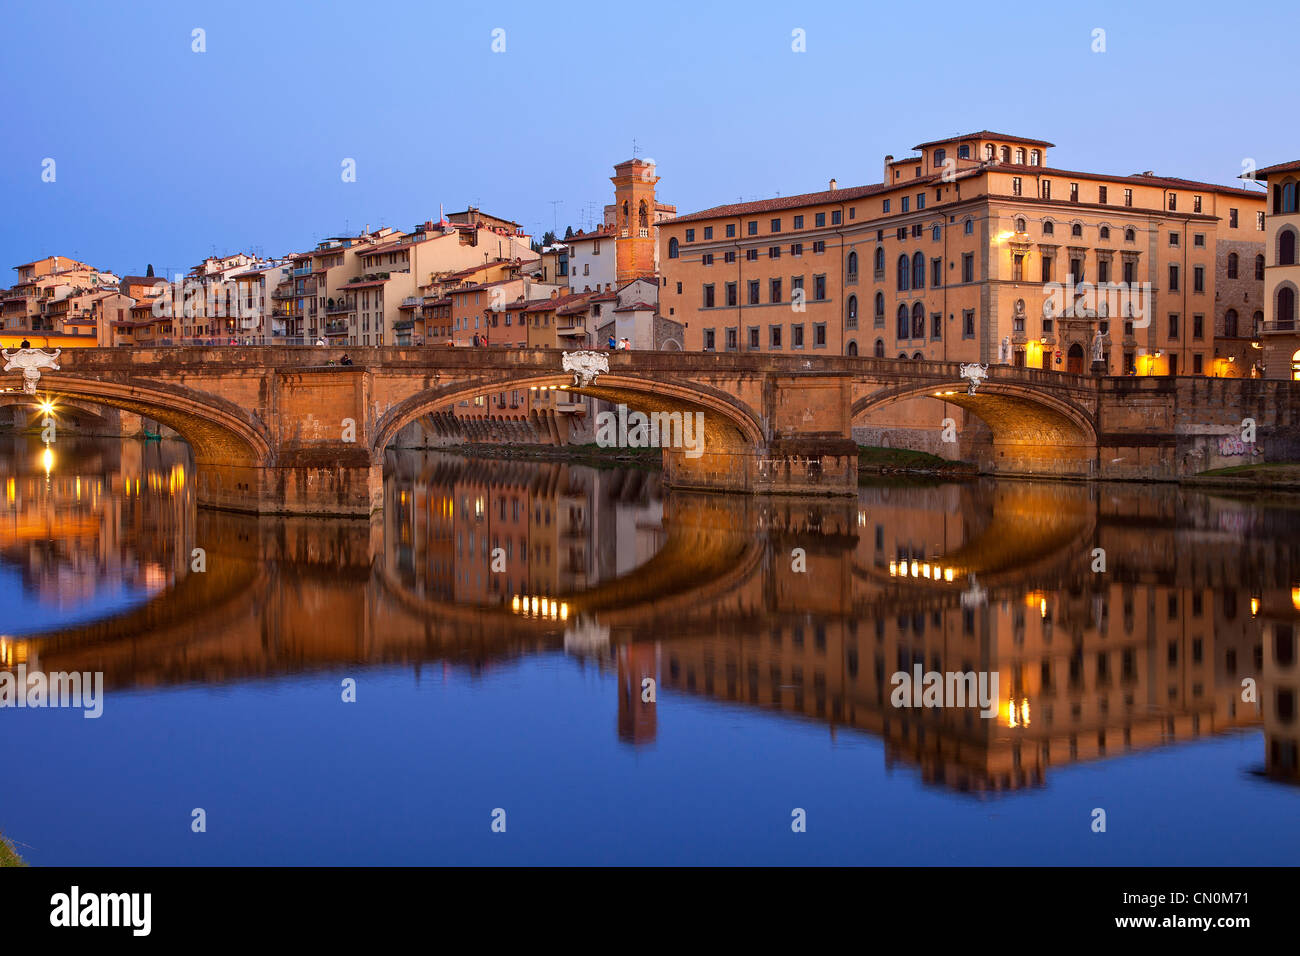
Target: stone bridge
289, 430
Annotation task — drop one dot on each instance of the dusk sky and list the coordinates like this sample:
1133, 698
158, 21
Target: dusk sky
164, 155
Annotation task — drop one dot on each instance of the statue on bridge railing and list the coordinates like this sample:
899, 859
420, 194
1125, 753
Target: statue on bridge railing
31, 361
585, 366
976, 373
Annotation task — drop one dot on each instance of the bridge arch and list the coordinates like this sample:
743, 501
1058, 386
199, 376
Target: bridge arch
1034, 429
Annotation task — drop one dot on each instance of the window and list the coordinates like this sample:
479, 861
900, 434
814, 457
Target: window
934, 234
902, 233
775, 225
1173, 202
1130, 235
918, 321
775, 289
774, 252
936, 325
1104, 232
1047, 269
968, 267
710, 341
706, 259
708, 296
1259, 267
904, 274
796, 336
819, 246
918, 271
1198, 240
673, 248
820, 219
774, 336
880, 310
1020, 225
851, 313
968, 227
1034, 157
1045, 189
939, 156
819, 335
731, 295
732, 340
885, 207
1232, 218
1049, 228
798, 222
907, 203
751, 255
728, 256
1017, 187
1006, 154
963, 151
1173, 239
752, 227
1230, 324
1285, 248
1259, 221
690, 235
1128, 197
1103, 269
753, 338
852, 265
904, 323
835, 218
1173, 278
936, 273
880, 348
679, 288
1173, 325
1198, 278
1018, 268
1101, 195
1196, 204
1076, 230
819, 288
920, 200
1198, 326
879, 263
968, 324
731, 230
1074, 192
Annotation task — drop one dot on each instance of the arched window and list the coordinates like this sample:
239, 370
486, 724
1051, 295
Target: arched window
1230, 323
1076, 230
904, 273
1020, 225
1289, 197
1284, 314
903, 356
1259, 267
934, 233
1006, 154
1034, 157
1286, 247
918, 321
673, 248
917, 357
1104, 232
853, 265
990, 152
1020, 156
1257, 322
1049, 228
853, 311
904, 331
969, 226
1232, 265
625, 213
880, 308
643, 216
918, 271
853, 347
1130, 235
880, 348
880, 259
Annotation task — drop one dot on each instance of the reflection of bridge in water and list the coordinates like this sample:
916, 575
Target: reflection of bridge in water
704, 595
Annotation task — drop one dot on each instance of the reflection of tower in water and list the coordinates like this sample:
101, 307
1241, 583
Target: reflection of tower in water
638, 722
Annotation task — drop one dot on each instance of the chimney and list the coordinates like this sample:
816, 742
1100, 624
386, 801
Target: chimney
832, 185
889, 158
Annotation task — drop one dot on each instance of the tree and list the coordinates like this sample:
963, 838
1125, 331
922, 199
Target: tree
149, 272
548, 238
568, 232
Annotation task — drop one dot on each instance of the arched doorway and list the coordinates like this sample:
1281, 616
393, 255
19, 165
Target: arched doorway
1074, 359
853, 347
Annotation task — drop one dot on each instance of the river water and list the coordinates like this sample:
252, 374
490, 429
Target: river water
611, 672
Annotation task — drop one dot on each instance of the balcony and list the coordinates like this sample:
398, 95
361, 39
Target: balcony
301, 271
1279, 325
412, 300
340, 308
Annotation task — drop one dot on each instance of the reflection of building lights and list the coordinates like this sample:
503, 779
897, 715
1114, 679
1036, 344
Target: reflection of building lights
893, 565
925, 569
1042, 607
564, 612
947, 574
47, 459
1017, 713
1295, 598
1254, 606
914, 567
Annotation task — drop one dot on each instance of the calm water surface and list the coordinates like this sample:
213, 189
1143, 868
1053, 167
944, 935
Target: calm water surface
521, 689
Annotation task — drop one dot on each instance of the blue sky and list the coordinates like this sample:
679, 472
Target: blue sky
164, 155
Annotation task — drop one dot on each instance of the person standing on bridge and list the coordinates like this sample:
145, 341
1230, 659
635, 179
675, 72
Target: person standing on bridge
320, 342
25, 344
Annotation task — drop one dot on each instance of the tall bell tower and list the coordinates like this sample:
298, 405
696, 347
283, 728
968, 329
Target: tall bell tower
634, 217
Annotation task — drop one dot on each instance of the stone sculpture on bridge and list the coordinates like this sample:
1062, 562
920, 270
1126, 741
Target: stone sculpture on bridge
585, 366
31, 361
976, 373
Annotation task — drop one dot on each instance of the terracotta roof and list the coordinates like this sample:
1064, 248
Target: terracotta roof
609, 233
982, 134
794, 202
390, 246
636, 307
1170, 182
362, 285
546, 305
140, 280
